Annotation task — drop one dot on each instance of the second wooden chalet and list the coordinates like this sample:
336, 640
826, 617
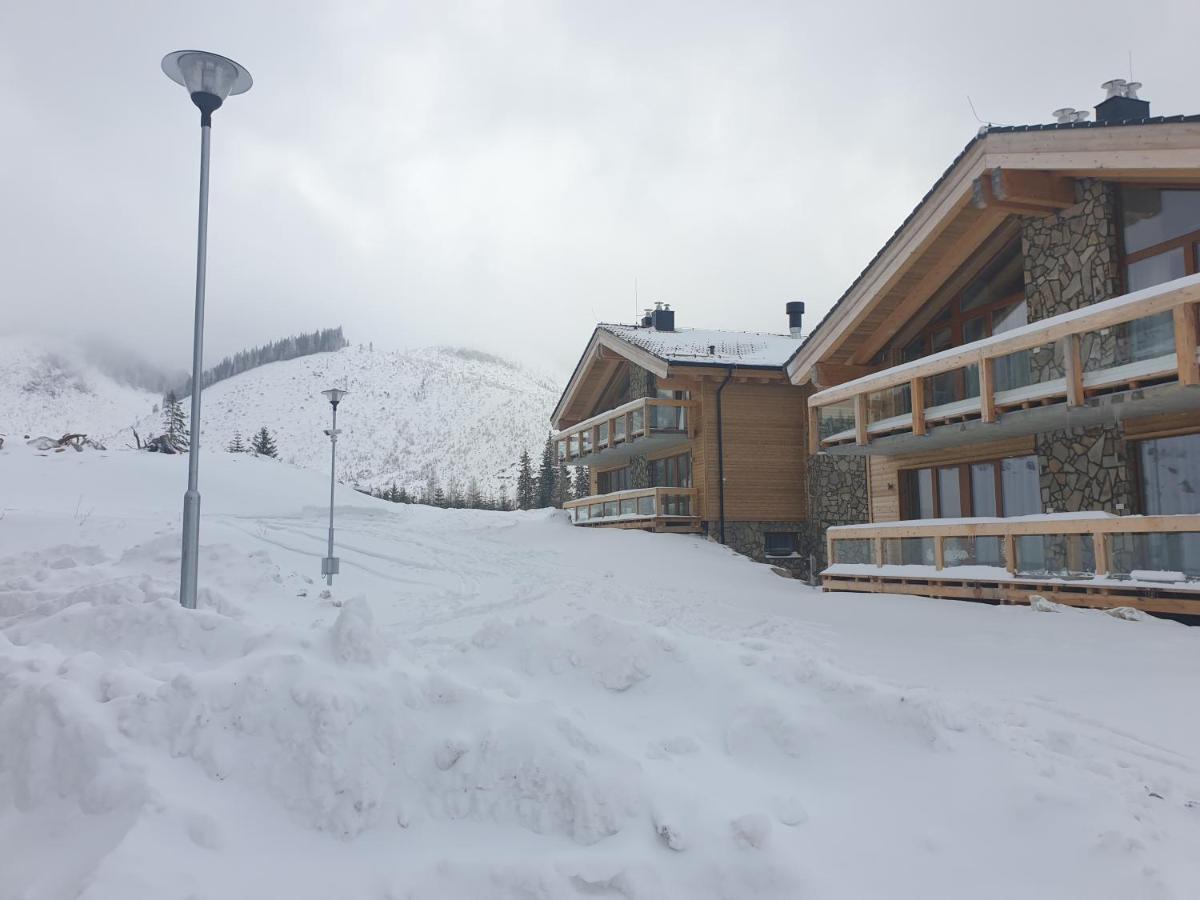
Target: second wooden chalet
691, 430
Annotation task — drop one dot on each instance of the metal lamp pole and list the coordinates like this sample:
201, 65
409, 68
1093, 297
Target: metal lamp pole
209, 79
331, 565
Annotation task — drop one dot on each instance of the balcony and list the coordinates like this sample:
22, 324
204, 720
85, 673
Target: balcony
1078, 559
632, 429
1132, 355
655, 508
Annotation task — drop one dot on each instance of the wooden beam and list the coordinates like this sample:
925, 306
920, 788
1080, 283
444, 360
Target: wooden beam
1043, 190
1073, 367
916, 390
939, 552
814, 431
987, 390
1100, 549
861, 436
827, 374
984, 195
1185, 344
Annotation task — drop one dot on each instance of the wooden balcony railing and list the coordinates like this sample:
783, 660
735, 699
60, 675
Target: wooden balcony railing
1139, 339
623, 425
631, 506
1063, 545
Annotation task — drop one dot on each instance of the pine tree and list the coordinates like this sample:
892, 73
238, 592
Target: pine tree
583, 483
502, 502
474, 495
237, 445
546, 473
175, 428
404, 496
263, 444
439, 498
526, 488
564, 488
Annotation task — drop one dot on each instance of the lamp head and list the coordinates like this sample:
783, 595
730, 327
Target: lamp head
208, 77
334, 396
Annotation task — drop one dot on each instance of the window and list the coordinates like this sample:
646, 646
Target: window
674, 471
779, 543
1001, 487
614, 480
1169, 470
1161, 237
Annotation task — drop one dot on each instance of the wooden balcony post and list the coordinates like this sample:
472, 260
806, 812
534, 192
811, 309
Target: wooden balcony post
829, 558
878, 546
814, 430
939, 553
987, 389
916, 391
595, 438
1185, 344
1100, 549
1010, 553
1073, 367
861, 436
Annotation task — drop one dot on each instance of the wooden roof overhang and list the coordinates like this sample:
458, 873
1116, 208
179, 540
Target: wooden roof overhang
999, 174
604, 355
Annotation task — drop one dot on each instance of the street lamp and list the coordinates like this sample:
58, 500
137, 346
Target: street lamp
330, 565
209, 79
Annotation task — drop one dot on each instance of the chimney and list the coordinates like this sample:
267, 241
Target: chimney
663, 318
1069, 114
647, 317
1121, 103
795, 311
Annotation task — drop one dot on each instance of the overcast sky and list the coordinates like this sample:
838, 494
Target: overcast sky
499, 175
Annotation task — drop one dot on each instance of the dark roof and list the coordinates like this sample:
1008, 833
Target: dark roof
980, 135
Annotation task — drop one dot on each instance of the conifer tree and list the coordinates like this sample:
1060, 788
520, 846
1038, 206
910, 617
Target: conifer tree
564, 487
439, 498
237, 445
474, 494
546, 475
502, 502
404, 496
175, 427
526, 488
263, 444
583, 482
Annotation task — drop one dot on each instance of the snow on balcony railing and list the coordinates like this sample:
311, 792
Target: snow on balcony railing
623, 425
1148, 336
1164, 549
634, 505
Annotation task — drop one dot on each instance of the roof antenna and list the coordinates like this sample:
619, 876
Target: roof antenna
1131, 65
635, 299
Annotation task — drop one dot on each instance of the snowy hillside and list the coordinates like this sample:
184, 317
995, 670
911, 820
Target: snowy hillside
499, 705
49, 387
449, 413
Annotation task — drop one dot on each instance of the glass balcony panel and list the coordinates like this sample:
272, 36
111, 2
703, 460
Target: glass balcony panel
619, 429
629, 506
1128, 342
586, 437
668, 418
637, 422
973, 551
859, 551
561, 449
836, 419
611, 508
603, 432
597, 511
645, 505
573, 445
1156, 556
909, 551
893, 401
581, 513
677, 504
1055, 555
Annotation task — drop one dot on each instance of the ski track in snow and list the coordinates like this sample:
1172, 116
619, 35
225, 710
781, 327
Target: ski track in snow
501, 705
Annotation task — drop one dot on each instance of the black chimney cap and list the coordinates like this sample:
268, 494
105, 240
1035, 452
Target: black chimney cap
795, 306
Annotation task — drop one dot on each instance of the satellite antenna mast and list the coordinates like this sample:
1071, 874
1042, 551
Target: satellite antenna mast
635, 299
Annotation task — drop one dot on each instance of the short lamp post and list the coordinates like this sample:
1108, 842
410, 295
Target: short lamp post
209, 79
330, 565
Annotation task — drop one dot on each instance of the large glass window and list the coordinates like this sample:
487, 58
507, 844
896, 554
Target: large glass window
1152, 216
614, 480
1002, 487
674, 471
1170, 485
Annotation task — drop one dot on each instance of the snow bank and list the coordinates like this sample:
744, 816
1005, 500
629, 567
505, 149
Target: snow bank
499, 705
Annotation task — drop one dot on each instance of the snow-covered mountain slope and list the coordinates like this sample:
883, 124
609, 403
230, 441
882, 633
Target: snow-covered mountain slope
499, 705
50, 387
450, 413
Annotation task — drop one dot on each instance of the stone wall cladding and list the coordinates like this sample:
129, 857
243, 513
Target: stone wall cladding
749, 539
1086, 469
1071, 260
837, 495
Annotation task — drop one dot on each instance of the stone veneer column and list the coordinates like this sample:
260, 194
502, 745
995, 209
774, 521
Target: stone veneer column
1071, 261
837, 495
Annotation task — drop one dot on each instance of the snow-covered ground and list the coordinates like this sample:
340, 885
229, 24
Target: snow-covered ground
498, 705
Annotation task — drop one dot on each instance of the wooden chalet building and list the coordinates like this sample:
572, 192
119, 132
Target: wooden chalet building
688, 430
1009, 395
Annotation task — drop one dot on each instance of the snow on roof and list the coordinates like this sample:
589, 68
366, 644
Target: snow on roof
692, 345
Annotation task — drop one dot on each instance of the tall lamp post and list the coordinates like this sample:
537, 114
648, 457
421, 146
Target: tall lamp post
209, 79
330, 565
